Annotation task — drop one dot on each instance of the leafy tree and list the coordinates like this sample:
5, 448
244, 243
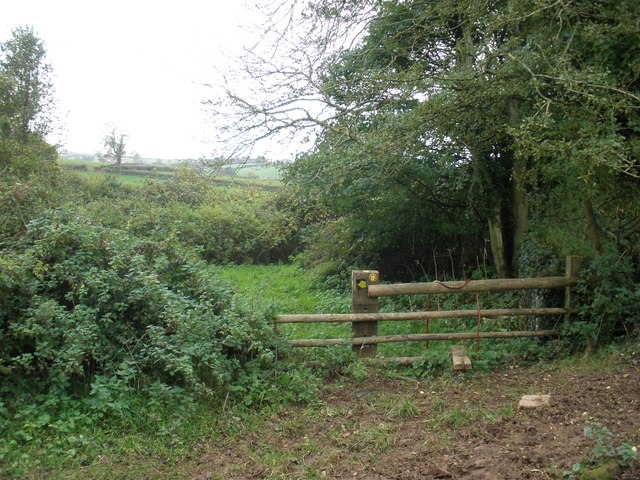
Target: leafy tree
581, 137
25, 107
524, 95
27, 89
115, 143
406, 213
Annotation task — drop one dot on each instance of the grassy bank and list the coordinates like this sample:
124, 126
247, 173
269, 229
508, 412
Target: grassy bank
383, 425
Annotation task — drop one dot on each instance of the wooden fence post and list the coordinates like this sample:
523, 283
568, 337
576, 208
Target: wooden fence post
361, 303
573, 266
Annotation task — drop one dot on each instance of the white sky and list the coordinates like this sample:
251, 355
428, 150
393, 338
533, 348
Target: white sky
137, 64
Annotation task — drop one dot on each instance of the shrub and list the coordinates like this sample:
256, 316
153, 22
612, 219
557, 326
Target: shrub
227, 225
100, 328
85, 305
610, 301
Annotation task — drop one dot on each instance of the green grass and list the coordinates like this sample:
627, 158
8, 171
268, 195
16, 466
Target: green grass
91, 166
394, 406
286, 289
124, 179
71, 161
457, 417
261, 171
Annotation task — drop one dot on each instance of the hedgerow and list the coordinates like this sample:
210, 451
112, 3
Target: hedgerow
227, 225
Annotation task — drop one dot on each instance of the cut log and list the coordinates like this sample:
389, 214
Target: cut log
459, 359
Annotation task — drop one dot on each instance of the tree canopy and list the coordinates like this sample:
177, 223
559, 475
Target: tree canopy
26, 88
26, 102
481, 112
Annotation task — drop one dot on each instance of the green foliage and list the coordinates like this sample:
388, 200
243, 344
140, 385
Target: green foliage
484, 360
81, 299
28, 186
444, 118
110, 318
605, 448
227, 225
260, 386
98, 326
368, 205
610, 302
25, 89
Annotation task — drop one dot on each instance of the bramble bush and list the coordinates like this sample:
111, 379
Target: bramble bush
97, 316
80, 299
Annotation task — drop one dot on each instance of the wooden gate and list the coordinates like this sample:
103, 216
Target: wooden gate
366, 289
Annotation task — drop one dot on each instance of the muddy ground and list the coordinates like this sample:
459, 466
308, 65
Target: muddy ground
460, 426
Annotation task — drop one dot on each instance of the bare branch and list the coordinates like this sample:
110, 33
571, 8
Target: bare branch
276, 92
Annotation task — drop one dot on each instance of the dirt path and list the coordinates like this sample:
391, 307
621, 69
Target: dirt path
457, 427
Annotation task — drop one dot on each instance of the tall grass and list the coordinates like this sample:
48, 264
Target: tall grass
286, 289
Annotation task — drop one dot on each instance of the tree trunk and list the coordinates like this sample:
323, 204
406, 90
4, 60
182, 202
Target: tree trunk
497, 241
520, 212
520, 209
592, 227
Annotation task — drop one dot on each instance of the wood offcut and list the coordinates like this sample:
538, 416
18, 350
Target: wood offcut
459, 358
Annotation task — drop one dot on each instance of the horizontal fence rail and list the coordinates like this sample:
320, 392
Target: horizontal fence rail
419, 337
470, 286
366, 289
379, 317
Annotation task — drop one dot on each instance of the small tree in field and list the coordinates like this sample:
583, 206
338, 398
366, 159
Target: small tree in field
115, 143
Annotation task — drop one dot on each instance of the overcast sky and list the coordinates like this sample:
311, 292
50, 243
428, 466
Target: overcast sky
137, 64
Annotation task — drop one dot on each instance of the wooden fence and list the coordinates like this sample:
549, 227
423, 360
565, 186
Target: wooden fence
366, 289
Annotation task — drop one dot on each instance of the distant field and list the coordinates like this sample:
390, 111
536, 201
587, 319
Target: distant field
259, 171
134, 174
90, 165
251, 169
262, 182
124, 179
